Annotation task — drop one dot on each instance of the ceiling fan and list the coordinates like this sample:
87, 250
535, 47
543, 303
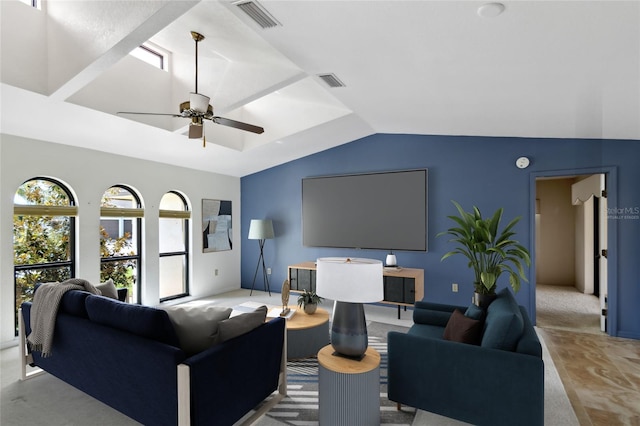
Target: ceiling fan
197, 108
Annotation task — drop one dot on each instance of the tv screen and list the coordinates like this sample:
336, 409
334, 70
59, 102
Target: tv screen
385, 211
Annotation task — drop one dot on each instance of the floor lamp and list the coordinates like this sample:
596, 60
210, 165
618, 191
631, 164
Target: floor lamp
261, 230
350, 282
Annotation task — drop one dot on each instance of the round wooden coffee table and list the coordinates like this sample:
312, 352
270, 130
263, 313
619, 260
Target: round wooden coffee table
306, 334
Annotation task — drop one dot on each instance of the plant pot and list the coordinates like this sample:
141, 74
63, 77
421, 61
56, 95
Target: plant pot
310, 308
483, 300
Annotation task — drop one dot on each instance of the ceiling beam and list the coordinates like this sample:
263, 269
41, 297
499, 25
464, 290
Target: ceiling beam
156, 22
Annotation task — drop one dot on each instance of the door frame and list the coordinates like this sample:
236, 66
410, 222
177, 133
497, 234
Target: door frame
611, 173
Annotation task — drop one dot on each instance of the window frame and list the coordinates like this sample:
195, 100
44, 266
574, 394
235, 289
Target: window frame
70, 211
185, 215
155, 50
135, 214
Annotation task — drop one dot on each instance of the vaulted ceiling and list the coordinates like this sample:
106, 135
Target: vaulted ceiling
547, 69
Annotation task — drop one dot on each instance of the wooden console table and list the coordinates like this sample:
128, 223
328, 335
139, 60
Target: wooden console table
402, 286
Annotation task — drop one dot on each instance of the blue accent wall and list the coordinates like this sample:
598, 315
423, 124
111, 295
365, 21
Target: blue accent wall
477, 171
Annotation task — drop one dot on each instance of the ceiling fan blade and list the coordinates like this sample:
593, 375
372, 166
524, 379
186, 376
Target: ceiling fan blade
149, 113
237, 124
195, 131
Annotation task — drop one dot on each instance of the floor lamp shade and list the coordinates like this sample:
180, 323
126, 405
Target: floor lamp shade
350, 282
261, 229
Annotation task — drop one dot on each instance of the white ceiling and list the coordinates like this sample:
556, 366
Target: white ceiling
549, 69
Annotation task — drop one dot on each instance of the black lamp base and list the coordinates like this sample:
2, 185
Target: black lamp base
349, 336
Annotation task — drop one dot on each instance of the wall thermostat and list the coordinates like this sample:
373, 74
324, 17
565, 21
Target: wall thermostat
522, 163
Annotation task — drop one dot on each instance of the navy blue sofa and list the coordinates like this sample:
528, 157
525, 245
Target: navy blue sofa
499, 381
128, 357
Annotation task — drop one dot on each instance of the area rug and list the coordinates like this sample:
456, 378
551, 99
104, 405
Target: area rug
300, 406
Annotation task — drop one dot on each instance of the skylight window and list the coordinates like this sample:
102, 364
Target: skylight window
32, 3
150, 56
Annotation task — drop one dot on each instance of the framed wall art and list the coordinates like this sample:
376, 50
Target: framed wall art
217, 231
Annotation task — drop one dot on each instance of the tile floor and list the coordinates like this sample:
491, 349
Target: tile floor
601, 374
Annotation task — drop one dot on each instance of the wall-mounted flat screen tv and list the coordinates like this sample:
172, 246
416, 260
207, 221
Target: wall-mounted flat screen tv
382, 210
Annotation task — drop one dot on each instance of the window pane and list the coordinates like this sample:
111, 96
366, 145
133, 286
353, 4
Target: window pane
118, 237
172, 276
41, 192
41, 239
149, 56
172, 235
119, 197
124, 273
171, 201
26, 280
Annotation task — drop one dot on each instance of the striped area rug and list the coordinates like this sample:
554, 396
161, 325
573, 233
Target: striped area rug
300, 407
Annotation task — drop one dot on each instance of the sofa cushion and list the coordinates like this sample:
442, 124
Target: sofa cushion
503, 323
426, 330
72, 303
108, 289
241, 324
140, 320
463, 329
196, 326
474, 312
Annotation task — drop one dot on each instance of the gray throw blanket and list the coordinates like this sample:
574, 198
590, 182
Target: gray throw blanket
45, 308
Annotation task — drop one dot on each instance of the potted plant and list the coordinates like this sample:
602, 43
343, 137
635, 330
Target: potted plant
309, 301
490, 251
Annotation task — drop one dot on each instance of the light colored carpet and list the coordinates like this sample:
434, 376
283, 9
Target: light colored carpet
565, 308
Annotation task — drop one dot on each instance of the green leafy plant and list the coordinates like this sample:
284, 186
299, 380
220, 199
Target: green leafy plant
490, 251
309, 297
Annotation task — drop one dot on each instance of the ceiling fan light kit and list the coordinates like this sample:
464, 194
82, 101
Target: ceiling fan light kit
197, 108
199, 103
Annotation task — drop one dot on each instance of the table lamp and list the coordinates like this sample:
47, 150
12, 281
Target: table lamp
261, 230
350, 282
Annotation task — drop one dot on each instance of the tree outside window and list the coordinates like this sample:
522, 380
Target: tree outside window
120, 225
43, 236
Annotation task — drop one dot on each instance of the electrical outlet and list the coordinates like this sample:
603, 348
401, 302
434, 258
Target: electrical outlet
268, 271
454, 287
215, 272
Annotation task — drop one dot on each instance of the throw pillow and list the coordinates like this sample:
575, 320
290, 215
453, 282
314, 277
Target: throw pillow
241, 324
108, 289
463, 329
196, 326
474, 312
504, 323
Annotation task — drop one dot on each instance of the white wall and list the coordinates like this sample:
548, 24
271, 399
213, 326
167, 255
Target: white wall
88, 174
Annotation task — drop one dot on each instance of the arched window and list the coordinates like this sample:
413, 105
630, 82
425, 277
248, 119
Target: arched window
43, 235
174, 246
120, 239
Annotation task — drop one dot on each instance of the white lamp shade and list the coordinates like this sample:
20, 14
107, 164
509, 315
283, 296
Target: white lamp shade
261, 229
198, 102
350, 280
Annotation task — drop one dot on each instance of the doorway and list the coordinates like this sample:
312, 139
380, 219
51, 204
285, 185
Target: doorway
570, 236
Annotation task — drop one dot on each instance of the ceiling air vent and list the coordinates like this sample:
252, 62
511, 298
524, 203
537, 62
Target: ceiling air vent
258, 13
331, 80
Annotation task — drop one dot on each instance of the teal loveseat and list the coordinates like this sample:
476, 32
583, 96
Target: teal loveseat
498, 380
